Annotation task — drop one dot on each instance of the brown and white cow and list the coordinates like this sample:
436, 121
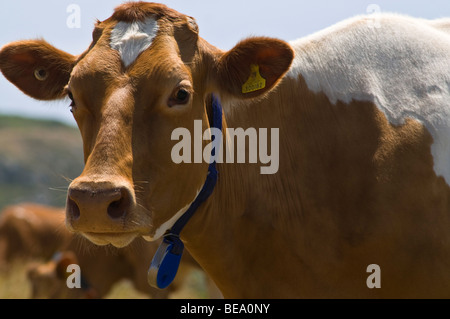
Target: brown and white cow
364, 150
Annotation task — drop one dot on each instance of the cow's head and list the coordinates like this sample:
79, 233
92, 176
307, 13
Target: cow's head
49, 280
146, 73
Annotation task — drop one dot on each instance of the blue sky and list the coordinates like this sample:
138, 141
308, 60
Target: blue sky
222, 23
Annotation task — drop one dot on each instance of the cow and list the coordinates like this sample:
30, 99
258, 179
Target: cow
31, 231
358, 206
35, 233
101, 269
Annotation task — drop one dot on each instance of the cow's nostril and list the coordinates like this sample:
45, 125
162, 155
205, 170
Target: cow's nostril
73, 209
115, 209
118, 209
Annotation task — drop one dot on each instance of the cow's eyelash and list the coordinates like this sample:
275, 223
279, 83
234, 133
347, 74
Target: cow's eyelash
72, 104
70, 95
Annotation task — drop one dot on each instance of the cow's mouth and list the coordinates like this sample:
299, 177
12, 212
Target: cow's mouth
118, 240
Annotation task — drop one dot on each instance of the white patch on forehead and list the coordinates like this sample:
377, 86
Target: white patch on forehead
131, 39
401, 64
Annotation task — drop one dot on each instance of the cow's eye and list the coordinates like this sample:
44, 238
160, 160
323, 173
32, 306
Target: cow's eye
181, 96
72, 104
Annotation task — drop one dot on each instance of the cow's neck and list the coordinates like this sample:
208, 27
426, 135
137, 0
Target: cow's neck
240, 216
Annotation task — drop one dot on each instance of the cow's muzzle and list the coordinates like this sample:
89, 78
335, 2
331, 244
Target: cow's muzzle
101, 211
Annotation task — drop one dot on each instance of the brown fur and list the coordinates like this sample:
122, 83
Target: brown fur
101, 269
352, 189
31, 231
139, 11
352, 194
19, 62
271, 55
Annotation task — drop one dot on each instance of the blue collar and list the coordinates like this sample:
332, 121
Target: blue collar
164, 266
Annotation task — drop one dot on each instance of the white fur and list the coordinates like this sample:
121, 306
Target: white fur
131, 39
401, 64
169, 224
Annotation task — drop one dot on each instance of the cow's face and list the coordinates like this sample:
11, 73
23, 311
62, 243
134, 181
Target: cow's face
49, 280
146, 74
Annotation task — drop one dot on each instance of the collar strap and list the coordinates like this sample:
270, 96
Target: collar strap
164, 266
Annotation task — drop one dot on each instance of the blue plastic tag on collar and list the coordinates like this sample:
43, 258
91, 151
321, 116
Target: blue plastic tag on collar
165, 263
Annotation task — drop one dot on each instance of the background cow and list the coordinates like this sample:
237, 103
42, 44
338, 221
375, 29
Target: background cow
101, 269
36, 233
30, 231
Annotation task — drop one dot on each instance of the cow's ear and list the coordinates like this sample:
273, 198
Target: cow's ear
66, 259
254, 66
37, 68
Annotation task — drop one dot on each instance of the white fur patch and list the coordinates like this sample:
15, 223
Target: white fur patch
131, 39
401, 64
169, 224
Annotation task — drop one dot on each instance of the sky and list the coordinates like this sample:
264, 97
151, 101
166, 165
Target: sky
68, 25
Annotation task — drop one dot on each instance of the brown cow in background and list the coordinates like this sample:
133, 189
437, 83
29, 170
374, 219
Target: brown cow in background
36, 232
101, 269
31, 231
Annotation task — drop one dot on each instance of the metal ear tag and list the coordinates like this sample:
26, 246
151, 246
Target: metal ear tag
165, 263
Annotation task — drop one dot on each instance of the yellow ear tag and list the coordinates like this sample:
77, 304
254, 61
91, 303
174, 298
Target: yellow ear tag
256, 82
